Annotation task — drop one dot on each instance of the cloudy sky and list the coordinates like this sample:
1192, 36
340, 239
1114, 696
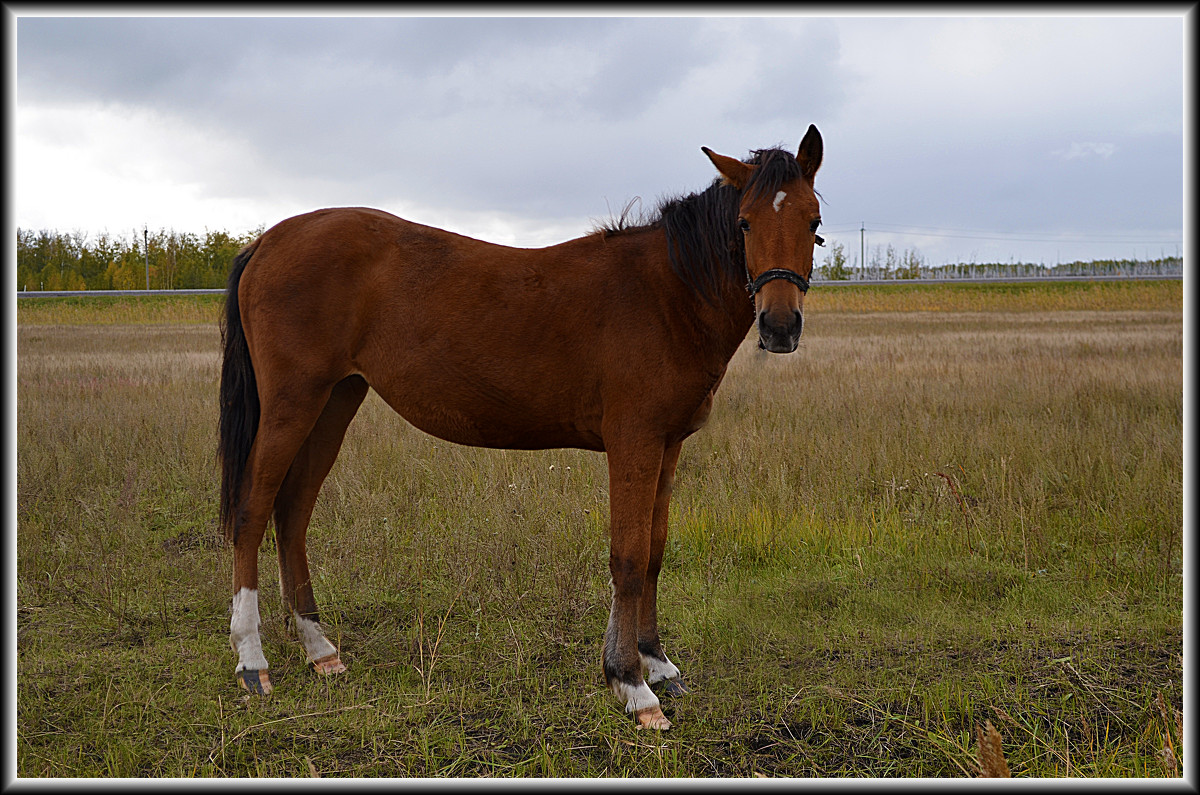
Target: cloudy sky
968, 138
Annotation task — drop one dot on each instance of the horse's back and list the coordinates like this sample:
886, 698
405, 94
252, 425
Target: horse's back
471, 341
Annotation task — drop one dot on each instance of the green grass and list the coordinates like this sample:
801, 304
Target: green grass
837, 606
1011, 297
85, 309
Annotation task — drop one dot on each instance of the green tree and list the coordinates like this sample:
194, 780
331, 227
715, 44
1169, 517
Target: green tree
50, 260
102, 254
911, 263
27, 266
834, 266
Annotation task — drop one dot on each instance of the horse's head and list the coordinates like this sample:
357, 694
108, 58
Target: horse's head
778, 218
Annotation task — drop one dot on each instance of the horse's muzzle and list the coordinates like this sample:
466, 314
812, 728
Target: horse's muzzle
777, 337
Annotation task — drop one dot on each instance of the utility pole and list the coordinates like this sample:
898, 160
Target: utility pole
862, 250
146, 246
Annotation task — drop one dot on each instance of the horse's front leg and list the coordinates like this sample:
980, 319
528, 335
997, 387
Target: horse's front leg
633, 475
661, 673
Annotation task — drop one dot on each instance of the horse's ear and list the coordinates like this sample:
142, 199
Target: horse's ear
735, 172
811, 149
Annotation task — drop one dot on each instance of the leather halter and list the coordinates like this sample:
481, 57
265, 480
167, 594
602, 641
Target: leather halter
777, 273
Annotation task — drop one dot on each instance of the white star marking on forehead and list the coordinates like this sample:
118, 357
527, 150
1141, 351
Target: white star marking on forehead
779, 197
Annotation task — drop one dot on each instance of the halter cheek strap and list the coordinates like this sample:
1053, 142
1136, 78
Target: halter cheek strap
777, 273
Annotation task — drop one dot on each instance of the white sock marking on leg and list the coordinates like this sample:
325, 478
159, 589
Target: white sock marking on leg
635, 697
657, 670
243, 631
316, 645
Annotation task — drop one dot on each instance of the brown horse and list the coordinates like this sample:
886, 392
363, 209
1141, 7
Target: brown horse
614, 342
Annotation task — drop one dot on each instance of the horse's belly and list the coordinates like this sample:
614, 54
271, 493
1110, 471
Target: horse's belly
499, 427
540, 437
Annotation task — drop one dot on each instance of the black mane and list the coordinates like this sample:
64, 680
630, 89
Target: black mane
704, 244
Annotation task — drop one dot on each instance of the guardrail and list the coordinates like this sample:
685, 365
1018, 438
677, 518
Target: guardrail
815, 283
1124, 277
117, 293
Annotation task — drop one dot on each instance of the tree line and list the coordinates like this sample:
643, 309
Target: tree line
888, 263
49, 260
173, 260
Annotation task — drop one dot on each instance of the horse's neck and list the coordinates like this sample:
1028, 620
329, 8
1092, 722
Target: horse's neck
720, 324
736, 311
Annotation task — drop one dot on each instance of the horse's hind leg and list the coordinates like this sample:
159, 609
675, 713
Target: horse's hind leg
661, 673
285, 420
633, 472
293, 509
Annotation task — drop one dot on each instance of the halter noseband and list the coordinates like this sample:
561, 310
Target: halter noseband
777, 273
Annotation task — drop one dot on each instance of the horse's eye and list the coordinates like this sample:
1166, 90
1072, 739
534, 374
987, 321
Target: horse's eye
814, 226
743, 225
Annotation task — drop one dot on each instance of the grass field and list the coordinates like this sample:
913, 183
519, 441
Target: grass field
899, 297
954, 504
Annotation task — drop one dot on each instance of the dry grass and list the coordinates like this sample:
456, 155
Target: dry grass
1031, 416
992, 763
922, 522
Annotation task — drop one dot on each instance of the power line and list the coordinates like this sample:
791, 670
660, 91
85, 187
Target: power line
981, 234
948, 229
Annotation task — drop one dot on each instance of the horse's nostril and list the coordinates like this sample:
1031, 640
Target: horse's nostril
791, 326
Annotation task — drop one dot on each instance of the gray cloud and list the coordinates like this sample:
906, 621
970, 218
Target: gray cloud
996, 124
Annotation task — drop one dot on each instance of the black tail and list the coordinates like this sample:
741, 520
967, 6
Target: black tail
239, 399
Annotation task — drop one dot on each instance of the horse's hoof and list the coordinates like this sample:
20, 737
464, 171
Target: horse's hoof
330, 664
652, 718
257, 682
669, 687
